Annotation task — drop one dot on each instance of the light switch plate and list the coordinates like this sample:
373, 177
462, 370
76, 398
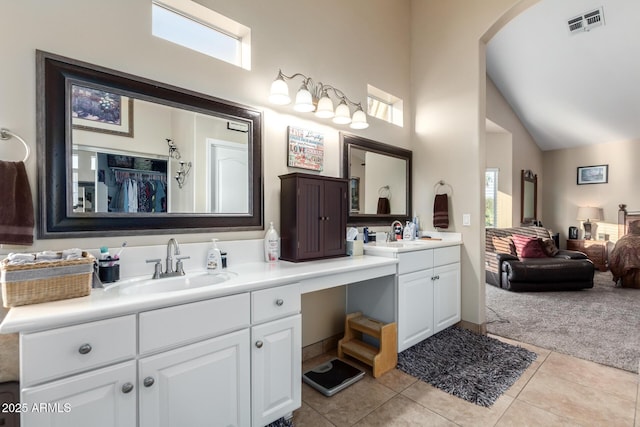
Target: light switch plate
466, 219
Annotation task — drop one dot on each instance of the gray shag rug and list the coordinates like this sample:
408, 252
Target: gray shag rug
473, 367
601, 324
282, 422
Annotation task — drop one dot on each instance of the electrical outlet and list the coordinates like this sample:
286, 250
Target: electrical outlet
466, 219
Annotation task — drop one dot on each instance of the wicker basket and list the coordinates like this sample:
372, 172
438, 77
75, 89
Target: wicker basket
24, 284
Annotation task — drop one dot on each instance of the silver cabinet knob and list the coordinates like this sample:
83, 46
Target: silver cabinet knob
279, 302
259, 344
148, 382
84, 348
127, 387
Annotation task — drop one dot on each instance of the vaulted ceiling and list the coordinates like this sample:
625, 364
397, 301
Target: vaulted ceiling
571, 89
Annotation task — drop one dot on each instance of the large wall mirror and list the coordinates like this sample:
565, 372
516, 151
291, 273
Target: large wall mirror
529, 197
119, 154
379, 180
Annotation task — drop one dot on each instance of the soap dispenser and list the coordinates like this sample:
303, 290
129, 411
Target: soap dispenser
408, 233
214, 259
271, 245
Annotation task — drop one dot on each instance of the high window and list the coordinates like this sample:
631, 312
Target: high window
384, 106
196, 27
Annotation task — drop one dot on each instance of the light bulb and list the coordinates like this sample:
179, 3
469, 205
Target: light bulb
304, 101
359, 120
343, 114
325, 107
279, 92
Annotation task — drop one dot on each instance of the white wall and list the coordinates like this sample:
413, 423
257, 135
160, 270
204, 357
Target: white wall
345, 44
565, 195
525, 152
448, 72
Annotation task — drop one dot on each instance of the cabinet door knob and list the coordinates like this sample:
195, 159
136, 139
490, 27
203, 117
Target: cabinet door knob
148, 382
127, 387
279, 302
259, 344
84, 348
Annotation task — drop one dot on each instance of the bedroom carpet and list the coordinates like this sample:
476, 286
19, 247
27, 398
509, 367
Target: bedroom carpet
601, 324
474, 367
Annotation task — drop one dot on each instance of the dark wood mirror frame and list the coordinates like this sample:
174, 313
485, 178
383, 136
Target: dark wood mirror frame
347, 141
528, 176
54, 74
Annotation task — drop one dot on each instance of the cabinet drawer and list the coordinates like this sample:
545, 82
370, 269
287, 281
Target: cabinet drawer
63, 351
448, 255
415, 261
172, 326
276, 302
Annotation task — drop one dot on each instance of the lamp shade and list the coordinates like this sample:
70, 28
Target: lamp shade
359, 120
279, 92
304, 101
343, 114
325, 107
588, 213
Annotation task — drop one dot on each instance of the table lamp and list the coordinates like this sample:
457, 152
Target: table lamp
587, 214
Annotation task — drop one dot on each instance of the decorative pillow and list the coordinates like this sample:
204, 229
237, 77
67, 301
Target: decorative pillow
528, 247
634, 227
549, 247
504, 245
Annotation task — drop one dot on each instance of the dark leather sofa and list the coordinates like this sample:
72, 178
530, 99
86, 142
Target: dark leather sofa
566, 270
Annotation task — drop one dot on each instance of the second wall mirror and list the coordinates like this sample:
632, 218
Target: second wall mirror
380, 180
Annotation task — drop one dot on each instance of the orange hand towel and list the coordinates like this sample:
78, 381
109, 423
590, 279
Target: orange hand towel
16, 206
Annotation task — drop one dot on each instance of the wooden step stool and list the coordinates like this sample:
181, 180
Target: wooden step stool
380, 359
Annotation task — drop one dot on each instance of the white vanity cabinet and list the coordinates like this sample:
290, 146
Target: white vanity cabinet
202, 376
428, 293
276, 353
228, 361
71, 376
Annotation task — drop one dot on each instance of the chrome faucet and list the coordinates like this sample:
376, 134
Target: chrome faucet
169, 271
392, 235
169, 260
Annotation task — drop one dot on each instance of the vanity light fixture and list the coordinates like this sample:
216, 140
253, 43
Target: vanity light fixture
314, 97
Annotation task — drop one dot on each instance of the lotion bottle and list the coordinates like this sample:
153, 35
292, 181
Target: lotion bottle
214, 259
271, 245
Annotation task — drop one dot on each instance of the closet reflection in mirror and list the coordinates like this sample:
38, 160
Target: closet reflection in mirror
117, 174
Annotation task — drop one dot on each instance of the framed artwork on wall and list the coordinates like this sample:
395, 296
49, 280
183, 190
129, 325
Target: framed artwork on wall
593, 174
306, 149
100, 111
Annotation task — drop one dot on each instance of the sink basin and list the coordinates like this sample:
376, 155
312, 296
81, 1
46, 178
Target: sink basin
139, 286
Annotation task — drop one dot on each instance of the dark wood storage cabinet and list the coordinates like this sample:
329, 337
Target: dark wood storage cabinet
313, 217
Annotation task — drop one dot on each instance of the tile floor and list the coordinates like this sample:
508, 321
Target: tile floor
556, 390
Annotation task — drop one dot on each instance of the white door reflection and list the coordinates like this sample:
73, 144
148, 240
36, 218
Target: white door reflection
228, 177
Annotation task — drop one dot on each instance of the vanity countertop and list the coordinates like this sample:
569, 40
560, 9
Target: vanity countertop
390, 248
312, 275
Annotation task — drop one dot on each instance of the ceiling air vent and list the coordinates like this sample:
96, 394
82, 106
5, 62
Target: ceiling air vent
586, 21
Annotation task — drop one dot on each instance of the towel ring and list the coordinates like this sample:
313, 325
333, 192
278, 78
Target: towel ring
384, 191
441, 183
6, 134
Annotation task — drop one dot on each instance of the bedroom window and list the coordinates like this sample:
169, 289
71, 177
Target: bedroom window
491, 197
199, 28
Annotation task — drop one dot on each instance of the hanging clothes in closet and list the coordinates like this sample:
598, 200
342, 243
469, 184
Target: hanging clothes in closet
140, 192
